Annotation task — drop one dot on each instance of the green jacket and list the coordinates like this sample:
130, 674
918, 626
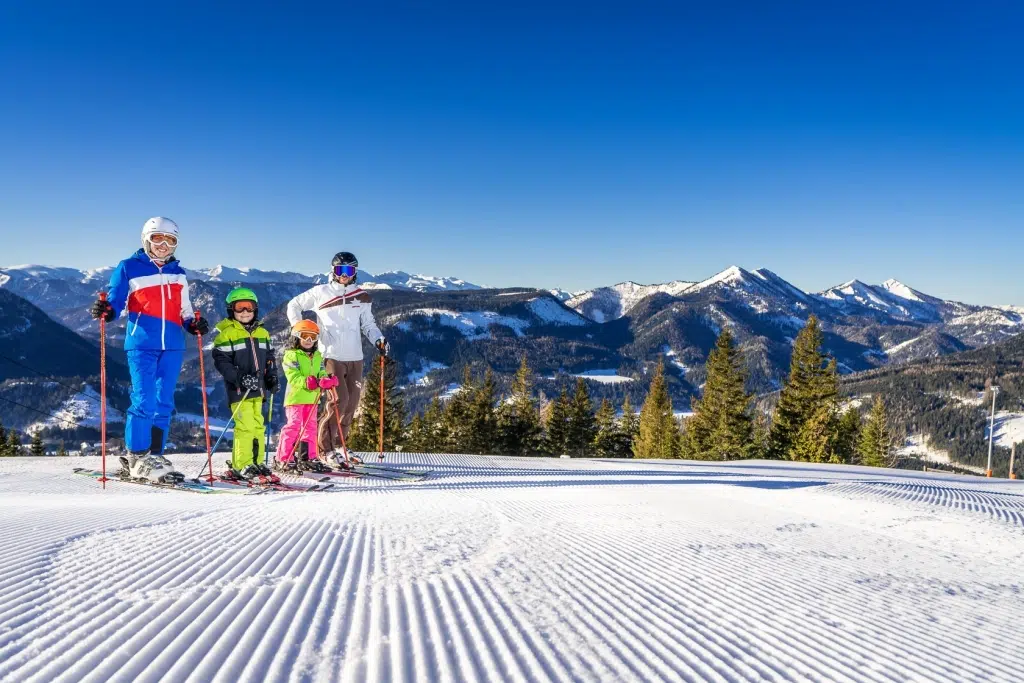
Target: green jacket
237, 352
298, 365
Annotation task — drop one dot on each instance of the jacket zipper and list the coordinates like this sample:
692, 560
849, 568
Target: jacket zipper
163, 311
255, 357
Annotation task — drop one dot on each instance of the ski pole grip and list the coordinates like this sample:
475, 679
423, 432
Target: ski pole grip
103, 296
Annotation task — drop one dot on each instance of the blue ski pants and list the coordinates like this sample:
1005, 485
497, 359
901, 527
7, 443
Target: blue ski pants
154, 377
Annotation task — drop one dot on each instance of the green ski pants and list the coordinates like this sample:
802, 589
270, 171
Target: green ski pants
249, 433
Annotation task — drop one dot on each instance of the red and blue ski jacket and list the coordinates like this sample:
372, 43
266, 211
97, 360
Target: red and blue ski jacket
156, 300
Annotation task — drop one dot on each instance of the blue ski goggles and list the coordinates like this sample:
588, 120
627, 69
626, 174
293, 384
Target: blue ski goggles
345, 271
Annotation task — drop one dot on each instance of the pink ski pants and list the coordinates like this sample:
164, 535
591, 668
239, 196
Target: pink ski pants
301, 426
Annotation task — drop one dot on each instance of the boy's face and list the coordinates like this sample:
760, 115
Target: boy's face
244, 311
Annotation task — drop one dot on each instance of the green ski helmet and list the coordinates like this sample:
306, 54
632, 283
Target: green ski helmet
242, 294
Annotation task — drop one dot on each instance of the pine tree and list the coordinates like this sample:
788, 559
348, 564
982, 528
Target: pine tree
458, 416
4, 451
849, 435
875, 447
557, 440
629, 428
817, 438
810, 393
721, 427
435, 428
62, 452
761, 430
483, 432
657, 437
607, 435
519, 426
36, 448
366, 430
417, 437
13, 443
581, 428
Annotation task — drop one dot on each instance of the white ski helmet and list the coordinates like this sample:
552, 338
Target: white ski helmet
158, 225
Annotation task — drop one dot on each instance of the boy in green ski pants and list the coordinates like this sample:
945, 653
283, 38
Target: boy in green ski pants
244, 357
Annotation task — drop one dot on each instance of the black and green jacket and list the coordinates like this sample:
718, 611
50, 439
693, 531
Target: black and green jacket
238, 351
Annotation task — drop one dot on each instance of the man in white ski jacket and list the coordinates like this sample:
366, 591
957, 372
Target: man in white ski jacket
343, 314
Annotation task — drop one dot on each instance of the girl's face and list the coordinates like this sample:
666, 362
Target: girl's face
307, 342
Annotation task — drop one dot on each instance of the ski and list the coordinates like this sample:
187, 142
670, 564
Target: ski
190, 486
268, 485
394, 474
410, 472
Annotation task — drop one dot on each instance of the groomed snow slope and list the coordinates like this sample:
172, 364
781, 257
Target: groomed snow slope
501, 569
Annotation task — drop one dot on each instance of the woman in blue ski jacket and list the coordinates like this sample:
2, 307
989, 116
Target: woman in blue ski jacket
150, 288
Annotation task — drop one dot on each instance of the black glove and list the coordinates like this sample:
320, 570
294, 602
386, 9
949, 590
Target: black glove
197, 326
271, 383
383, 346
249, 382
101, 308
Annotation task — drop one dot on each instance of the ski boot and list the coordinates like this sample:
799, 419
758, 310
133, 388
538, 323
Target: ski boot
286, 467
254, 475
337, 459
149, 467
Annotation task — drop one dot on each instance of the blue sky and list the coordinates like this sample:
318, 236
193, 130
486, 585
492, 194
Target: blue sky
571, 145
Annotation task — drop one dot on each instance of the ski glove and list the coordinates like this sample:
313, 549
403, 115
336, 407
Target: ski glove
311, 383
329, 382
383, 346
101, 308
249, 382
271, 383
197, 326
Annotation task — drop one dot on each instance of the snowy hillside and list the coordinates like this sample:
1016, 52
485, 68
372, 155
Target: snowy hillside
501, 569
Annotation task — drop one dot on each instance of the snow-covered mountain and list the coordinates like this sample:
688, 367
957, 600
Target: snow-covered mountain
609, 303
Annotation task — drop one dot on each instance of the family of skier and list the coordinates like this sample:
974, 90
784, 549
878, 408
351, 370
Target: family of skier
323, 364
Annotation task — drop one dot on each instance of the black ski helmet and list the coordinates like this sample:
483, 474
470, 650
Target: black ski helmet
345, 258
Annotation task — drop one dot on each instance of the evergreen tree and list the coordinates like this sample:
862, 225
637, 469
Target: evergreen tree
657, 436
366, 430
810, 394
607, 435
849, 435
817, 438
760, 434
483, 433
62, 452
581, 428
721, 427
876, 443
629, 428
458, 416
13, 443
435, 428
4, 450
558, 425
519, 426
36, 448
417, 436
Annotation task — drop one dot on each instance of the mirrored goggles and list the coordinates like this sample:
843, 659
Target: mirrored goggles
345, 271
244, 307
163, 239
308, 336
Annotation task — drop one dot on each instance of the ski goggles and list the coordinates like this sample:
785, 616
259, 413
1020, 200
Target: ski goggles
244, 307
345, 271
308, 336
163, 239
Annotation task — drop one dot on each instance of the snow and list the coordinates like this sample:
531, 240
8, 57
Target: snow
1009, 429
603, 376
611, 303
902, 345
549, 311
673, 359
419, 377
918, 445
472, 324
901, 290
507, 569
80, 410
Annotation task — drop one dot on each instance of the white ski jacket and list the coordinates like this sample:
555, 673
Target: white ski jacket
343, 312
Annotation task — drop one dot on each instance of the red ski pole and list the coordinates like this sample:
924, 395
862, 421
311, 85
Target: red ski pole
103, 395
206, 412
381, 442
